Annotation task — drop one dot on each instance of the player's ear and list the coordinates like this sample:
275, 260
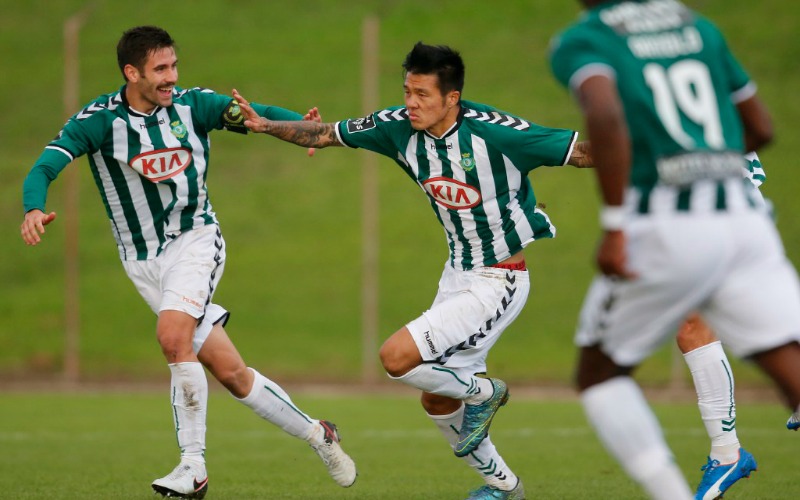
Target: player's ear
131, 73
452, 98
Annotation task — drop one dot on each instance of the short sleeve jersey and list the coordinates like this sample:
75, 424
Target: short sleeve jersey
150, 169
676, 77
475, 175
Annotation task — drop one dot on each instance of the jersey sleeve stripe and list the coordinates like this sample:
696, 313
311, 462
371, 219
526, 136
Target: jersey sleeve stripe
590, 70
62, 150
572, 142
340, 137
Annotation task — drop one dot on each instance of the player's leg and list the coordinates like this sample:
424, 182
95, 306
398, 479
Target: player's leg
501, 482
470, 312
178, 285
782, 364
713, 381
269, 401
625, 424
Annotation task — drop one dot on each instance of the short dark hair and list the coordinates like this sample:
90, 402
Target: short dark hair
440, 60
138, 43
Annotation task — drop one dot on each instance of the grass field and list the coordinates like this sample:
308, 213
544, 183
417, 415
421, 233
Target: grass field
104, 445
292, 223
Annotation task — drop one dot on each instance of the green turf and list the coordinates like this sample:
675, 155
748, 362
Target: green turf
66, 446
292, 224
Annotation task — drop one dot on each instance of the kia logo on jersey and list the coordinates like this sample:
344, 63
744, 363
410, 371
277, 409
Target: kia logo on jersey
162, 164
451, 193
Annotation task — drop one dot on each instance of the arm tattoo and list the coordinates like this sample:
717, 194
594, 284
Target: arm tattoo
581, 155
305, 133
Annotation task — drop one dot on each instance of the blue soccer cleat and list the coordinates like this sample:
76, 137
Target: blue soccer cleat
794, 422
487, 492
719, 477
478, 418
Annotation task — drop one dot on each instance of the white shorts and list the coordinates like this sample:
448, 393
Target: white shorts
470, 311
730, 268
184, 277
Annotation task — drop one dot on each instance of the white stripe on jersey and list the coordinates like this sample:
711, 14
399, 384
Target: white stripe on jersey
521, 223
664, 199
490, 207
198, 158
134, 181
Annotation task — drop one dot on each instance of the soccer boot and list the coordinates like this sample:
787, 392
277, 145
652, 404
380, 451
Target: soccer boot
340, 466
187, 480
478, 418
719, 477
487, 492
794, 422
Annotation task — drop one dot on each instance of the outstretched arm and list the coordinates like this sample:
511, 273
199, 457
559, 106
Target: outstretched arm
303, 133
581, 156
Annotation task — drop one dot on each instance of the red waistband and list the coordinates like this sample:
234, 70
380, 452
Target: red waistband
516, 266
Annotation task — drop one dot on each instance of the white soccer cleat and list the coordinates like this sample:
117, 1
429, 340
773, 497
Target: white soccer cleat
187, 480
340, 466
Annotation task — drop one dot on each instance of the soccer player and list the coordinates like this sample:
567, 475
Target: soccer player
148, 149
670, 112
472, 161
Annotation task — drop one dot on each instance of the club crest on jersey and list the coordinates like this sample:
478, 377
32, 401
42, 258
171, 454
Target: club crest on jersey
451, 193
161, 164
467, 163
178, 129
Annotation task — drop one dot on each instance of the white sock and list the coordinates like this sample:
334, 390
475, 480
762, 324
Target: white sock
451, 382
631, 433
713, 381
189, 388
484, 460
271, 403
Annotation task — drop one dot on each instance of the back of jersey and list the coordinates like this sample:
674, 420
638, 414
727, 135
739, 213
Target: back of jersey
677, 80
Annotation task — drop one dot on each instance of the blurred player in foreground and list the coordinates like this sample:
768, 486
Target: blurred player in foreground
669, 113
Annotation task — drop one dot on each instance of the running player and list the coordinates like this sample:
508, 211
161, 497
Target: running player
472, 162
148, 149
669, 113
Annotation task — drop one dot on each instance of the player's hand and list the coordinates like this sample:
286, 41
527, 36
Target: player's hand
252, 121
612, 256
312, 116
33, 225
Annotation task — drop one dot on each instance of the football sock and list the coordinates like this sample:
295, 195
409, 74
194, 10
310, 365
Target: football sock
189, 388
713, 381
484, 460
271, 403
630, 432
451, 382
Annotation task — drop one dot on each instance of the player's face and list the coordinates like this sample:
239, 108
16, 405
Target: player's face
427, 108
153, 85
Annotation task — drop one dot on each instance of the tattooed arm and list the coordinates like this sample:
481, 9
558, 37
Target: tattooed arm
581, 156
303, 133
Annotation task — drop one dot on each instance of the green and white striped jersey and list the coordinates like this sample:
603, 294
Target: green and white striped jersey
150, 169
475, 175
679, 84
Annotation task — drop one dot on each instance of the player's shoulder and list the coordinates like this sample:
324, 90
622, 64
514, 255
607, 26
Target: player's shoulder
490, 118
99, 107
193, 94
390, 119
392, 114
